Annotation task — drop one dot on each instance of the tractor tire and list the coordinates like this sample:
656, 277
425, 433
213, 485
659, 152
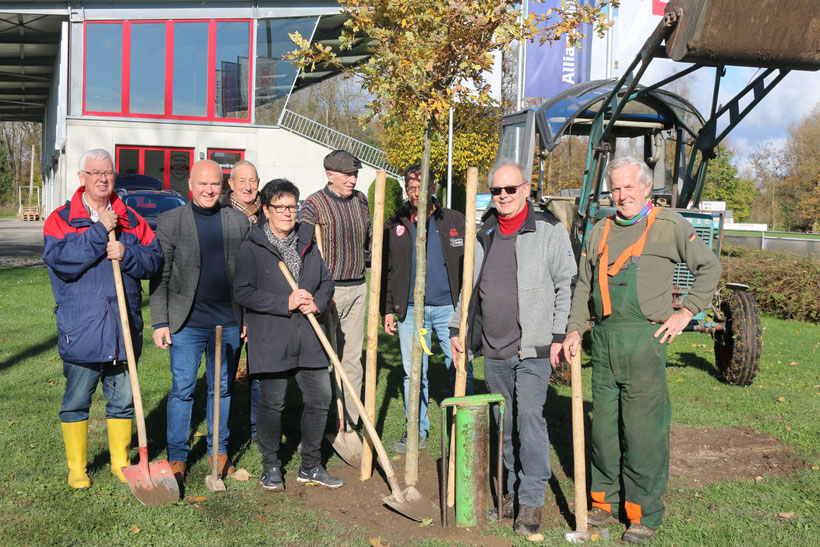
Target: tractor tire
738, 347
561, 375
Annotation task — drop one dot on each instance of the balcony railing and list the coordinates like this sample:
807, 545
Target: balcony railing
337, 141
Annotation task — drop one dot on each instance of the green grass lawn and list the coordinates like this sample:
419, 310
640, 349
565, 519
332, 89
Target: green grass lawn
37, 507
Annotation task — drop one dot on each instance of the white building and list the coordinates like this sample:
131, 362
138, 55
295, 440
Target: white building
161, 84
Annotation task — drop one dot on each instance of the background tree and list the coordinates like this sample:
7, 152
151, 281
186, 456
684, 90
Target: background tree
802, 164
427, 56
724, 184
17, 138
767, 169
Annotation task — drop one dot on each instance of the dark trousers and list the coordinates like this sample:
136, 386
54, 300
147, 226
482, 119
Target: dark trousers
314, 383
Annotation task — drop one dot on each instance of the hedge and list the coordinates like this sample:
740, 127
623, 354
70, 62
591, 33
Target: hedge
785, 284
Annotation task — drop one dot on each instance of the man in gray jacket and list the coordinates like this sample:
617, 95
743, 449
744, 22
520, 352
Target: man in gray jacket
517, 320
191, 296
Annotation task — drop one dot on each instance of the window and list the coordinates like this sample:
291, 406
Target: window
170, 166
226, 160
191, 70
275, 77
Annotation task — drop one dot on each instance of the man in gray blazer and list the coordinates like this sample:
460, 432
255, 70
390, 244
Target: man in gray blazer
190, 298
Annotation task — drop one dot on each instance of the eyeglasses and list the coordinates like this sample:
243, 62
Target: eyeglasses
98, 174
496, 190
281, 208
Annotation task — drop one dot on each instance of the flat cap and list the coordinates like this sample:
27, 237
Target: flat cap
342, 161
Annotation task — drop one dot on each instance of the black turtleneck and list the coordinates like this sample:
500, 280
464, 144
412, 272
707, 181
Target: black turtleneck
212, 302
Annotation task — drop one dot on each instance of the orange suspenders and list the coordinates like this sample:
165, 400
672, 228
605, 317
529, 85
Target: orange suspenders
603, 258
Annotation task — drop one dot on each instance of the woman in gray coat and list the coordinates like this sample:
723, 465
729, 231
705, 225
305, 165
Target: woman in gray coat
281, 342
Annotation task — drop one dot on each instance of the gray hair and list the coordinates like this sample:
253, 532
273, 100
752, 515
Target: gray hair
94, 154
507, 163
240, 163
644, 173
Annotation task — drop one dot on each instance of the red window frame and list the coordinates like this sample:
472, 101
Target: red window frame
169, 70
225, 151
166, 174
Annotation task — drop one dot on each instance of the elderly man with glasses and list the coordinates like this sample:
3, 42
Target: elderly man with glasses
78, 254
517, 318
445, 258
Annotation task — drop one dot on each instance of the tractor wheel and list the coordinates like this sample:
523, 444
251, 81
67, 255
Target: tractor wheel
737, 348
561, 376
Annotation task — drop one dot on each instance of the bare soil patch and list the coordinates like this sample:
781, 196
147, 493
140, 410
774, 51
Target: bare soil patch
699, 456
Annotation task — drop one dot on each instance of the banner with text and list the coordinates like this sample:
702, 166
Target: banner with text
552, 68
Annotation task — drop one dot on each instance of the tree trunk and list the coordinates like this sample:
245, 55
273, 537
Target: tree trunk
411, 470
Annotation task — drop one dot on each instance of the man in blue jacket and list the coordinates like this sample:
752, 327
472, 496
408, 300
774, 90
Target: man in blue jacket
90, 339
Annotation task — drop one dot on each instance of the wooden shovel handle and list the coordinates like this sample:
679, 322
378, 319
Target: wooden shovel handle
217, 398
578, 447
139, 413
368, 424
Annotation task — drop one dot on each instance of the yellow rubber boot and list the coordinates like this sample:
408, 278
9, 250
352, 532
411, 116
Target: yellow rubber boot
75, 436
119, 441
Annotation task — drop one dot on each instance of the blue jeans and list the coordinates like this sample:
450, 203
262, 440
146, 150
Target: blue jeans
526, 444
436, 318
81, 383
186, 352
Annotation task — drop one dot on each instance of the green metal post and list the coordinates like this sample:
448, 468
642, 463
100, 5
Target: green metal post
472, 465
472, 456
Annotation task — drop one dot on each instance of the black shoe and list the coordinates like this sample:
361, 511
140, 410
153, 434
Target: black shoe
600, 517
528, 521
401, 446
638, 533
318, 475
507, 507
272, 480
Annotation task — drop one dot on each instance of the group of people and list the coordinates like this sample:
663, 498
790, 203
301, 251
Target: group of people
216, 262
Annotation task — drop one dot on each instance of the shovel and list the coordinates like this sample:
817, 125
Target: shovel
581, 534
214, 482
346, 443
151, 483
409, 502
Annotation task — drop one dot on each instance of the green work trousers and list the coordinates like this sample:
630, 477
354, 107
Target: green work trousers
630, 406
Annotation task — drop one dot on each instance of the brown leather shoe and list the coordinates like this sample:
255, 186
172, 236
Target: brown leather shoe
178, 469
528, 520
224, 465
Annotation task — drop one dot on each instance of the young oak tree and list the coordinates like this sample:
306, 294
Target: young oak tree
426, 56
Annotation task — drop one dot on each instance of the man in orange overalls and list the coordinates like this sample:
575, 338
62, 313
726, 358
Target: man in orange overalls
625, 288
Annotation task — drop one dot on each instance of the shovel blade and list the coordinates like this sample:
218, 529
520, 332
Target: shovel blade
410, 503
348, 445
590, 536
152, 483
215, 484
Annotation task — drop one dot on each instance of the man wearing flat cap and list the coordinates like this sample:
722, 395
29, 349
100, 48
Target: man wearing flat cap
342, 214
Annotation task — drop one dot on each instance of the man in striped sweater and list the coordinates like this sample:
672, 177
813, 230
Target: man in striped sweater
344, 218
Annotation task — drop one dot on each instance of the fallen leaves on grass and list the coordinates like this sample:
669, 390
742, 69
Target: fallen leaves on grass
535, 537
758, 478
781, 399
793, 363
134, 529
11, 423
196, 499
788, 428
785, 516
377, 542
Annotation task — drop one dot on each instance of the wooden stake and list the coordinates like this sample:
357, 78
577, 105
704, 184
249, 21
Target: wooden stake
366, 470
466, 295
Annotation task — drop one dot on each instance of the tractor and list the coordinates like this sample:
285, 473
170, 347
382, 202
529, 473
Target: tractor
772, 35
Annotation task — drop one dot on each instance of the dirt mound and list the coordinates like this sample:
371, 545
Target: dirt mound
700, 455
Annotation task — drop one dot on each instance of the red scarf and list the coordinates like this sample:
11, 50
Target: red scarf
510, 225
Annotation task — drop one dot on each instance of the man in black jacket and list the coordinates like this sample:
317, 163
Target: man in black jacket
445, 257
